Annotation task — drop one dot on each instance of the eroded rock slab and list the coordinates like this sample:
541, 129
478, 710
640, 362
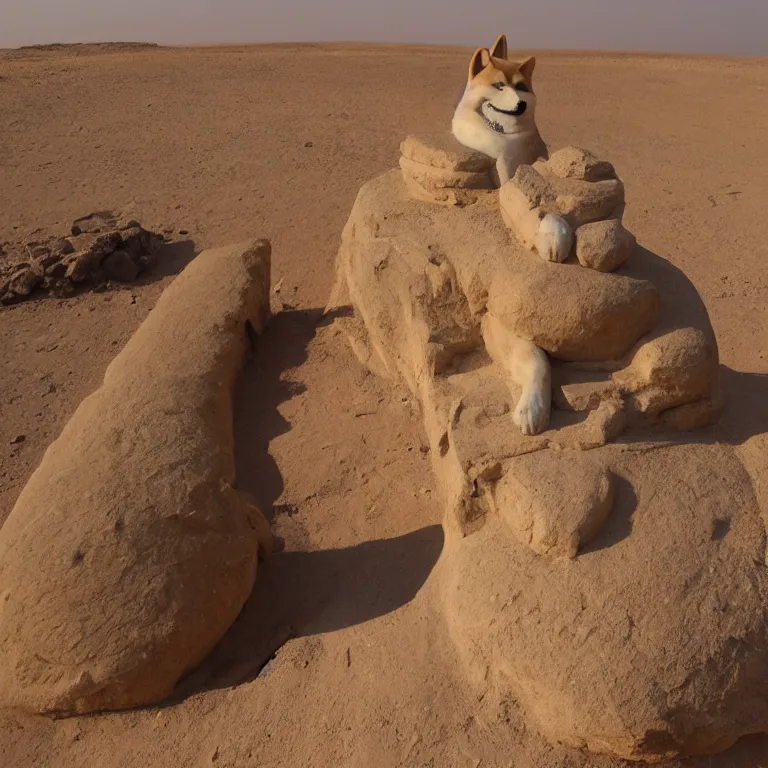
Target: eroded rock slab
438, 169
129, 553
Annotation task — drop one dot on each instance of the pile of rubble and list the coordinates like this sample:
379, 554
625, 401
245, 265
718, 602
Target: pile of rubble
101, 248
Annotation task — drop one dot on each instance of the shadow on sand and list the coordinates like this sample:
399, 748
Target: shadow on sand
300, 593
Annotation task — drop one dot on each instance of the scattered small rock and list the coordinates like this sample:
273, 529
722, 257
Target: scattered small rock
309, 144
18, 439
102, 247
43, 262
56, 270
37, 251
120, 266
20, 285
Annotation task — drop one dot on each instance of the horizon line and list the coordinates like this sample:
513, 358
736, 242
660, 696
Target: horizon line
638, 52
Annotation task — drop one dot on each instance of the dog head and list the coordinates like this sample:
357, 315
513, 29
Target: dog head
502, 90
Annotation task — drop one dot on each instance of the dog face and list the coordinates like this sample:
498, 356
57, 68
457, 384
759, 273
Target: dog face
501, 90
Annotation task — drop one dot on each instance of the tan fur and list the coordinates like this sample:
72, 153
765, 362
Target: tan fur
499, 50
486, 68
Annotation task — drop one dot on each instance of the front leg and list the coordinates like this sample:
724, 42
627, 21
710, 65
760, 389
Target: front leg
503, 168
529, 369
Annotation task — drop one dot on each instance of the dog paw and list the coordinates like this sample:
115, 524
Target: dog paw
532, 413
554, 239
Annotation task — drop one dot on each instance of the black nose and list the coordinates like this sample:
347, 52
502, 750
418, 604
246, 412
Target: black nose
520, 108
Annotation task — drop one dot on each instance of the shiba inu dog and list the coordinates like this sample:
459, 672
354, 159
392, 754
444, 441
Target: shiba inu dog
496, 116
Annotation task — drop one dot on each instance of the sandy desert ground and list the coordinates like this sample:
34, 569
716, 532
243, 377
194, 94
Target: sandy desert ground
230, 143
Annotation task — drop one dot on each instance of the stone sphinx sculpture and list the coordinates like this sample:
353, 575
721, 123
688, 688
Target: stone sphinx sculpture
600, 572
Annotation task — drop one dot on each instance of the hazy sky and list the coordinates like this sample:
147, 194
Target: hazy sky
708, 26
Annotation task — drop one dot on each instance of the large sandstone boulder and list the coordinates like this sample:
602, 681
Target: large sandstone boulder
412, 274
129, 552
615, 591
653, 642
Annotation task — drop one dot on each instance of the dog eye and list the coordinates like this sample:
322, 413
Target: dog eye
521, 87
499, 86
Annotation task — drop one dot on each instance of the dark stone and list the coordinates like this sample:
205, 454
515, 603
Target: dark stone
23, 282
62, 247
82, 264
59, 289
43, 263
136, 241
120, 266
56, 270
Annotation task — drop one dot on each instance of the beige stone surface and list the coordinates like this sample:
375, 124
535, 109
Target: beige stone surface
576, 163
555, 502
442, 171
581, 189
604, 245
575, 313
129, 553
650, 644
429, 192
441, 178
673, 369
442, 150
578, 202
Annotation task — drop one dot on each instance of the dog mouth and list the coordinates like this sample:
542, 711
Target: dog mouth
504, 121
516, 112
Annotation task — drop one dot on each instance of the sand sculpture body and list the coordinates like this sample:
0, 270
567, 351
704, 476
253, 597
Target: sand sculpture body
603, 574
129, 553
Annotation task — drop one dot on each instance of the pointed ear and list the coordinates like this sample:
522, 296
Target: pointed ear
499, 50
527, 67
480, 60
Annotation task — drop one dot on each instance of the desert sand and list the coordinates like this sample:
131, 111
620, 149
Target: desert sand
214, 146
